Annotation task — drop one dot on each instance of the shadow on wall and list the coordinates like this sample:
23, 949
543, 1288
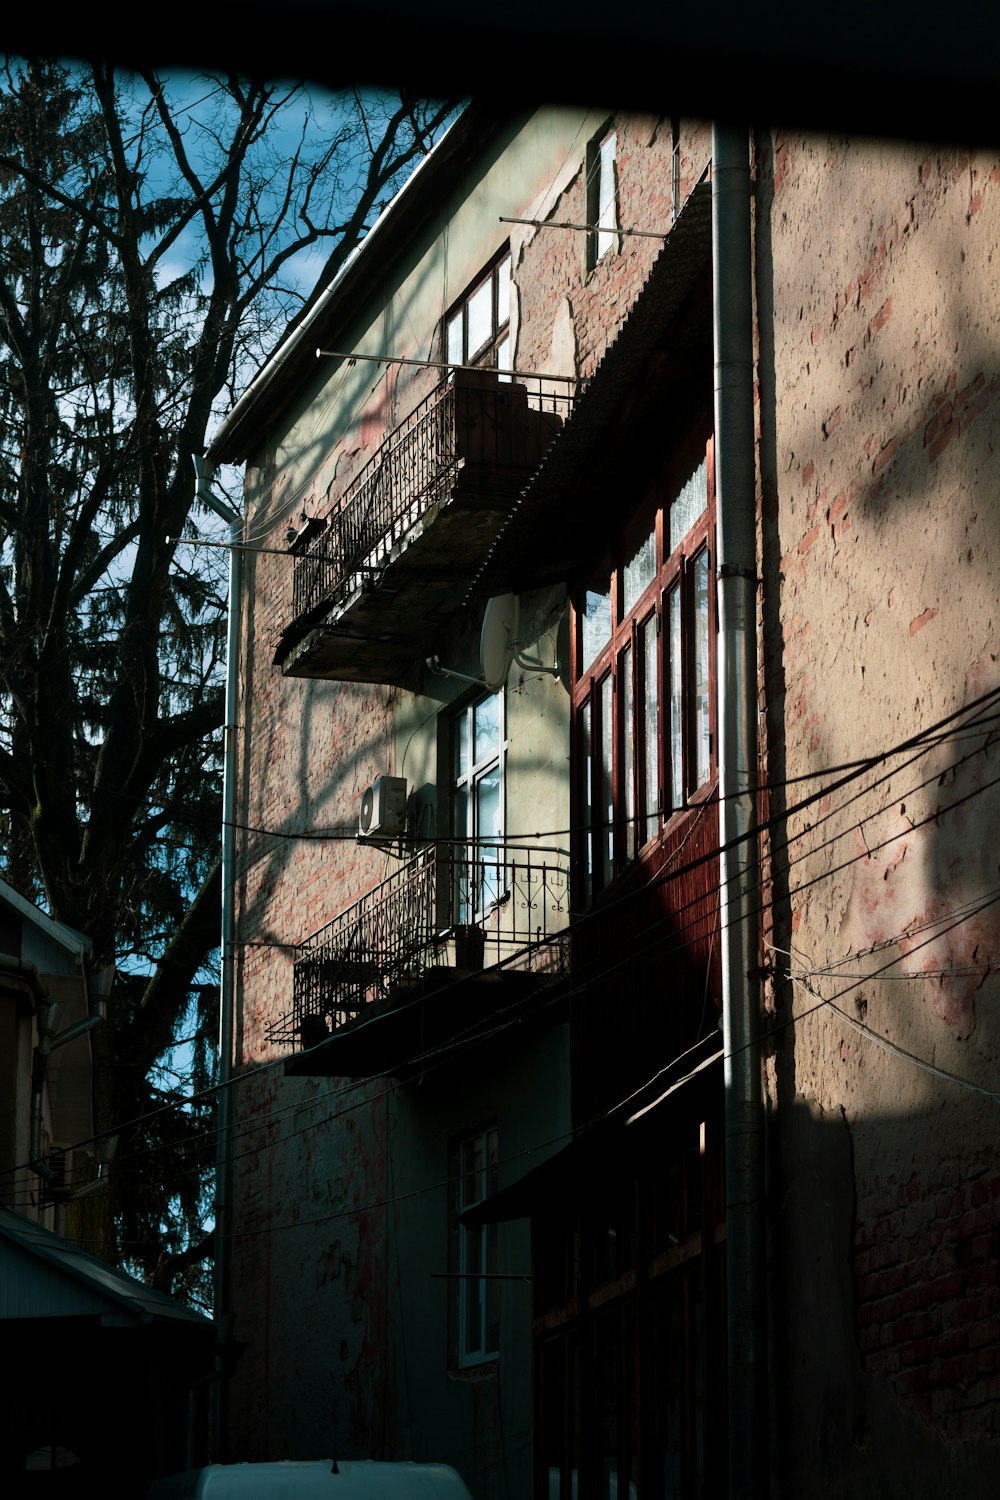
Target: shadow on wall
885, 1326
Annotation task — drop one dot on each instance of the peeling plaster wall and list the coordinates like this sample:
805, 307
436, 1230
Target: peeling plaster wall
879, 386
346, 1339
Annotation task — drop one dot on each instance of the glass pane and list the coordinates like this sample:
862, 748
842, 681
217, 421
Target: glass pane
640, 569
553, 1419
606, 196
607, 1378
596, 620
630, 1413
503, 357
472, 1170
488, 824
698, 1339
480, 309
587, 780
492, 1233
486, 730
472, 1289
607, 811
460, 813
491, 1288
701, 706
651, 745
503, 291
628, 749
688, 505
456, 352
676, 700
669, 1390
488, 804
460, 747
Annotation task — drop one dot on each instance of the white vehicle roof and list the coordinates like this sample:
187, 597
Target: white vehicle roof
314, 1479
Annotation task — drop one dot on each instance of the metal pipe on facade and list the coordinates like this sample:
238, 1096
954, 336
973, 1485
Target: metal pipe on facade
739, 873
227, 980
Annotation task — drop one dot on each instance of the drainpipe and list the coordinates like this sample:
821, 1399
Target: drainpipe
227, 982
739, 873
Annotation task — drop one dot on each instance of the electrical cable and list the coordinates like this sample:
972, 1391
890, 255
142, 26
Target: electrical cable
602, 976
594, 914
448, 1051
348, 833
476, 1039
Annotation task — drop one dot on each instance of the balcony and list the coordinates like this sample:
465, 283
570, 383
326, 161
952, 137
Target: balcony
431, 953
375, 580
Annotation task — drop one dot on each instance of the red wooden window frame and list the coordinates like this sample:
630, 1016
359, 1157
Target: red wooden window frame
629, 1325
620, 739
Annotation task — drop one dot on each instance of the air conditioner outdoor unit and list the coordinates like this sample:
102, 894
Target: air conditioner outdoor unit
383, 808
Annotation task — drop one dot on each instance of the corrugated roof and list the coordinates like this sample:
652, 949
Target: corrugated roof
45, 1276
593, 452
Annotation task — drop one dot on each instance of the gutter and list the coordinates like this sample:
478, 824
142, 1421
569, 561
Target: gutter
739, 859
227, 978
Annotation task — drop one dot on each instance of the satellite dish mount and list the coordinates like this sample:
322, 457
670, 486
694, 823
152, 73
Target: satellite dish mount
499, 648
500, 645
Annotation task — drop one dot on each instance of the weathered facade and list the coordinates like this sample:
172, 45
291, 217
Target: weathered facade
488, 1169
877, 287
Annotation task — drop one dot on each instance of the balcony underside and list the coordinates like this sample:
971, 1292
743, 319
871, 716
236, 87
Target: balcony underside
376, 580
419, 1027
393, 617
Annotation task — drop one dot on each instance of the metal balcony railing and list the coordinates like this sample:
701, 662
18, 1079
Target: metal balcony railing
475, 420
460, 911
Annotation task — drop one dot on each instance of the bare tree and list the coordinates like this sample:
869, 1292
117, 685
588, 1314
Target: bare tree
150, 239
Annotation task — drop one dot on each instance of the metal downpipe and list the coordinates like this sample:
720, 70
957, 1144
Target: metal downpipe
739, 861
227, 994
227, 982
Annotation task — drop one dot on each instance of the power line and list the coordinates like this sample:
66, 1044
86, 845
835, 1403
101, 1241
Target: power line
822, 1003
605, 970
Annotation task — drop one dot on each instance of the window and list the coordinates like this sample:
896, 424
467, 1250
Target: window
644, 668
478, 1284
630, 1346
602, 196
477, 797
477, 330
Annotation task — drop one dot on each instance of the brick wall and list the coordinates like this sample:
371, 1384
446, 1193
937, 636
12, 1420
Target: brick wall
878, 440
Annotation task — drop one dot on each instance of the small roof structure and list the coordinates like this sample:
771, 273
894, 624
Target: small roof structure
45, 1276
599, 1148
67, 938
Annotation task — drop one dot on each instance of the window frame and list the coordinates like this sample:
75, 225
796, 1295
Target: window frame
648, 1237
619, 817
488, 353
602, 195
476, 1245
469, 907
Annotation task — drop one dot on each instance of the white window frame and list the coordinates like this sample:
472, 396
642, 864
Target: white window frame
602, 195
478, 1324
475, 905
494, 350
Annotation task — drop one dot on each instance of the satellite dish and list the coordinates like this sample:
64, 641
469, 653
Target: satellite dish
496, 644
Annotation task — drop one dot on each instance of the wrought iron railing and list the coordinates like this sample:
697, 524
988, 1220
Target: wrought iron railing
461, 911
475, 417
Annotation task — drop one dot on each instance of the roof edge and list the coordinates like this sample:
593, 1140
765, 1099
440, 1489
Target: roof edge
67, 937
267, 391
